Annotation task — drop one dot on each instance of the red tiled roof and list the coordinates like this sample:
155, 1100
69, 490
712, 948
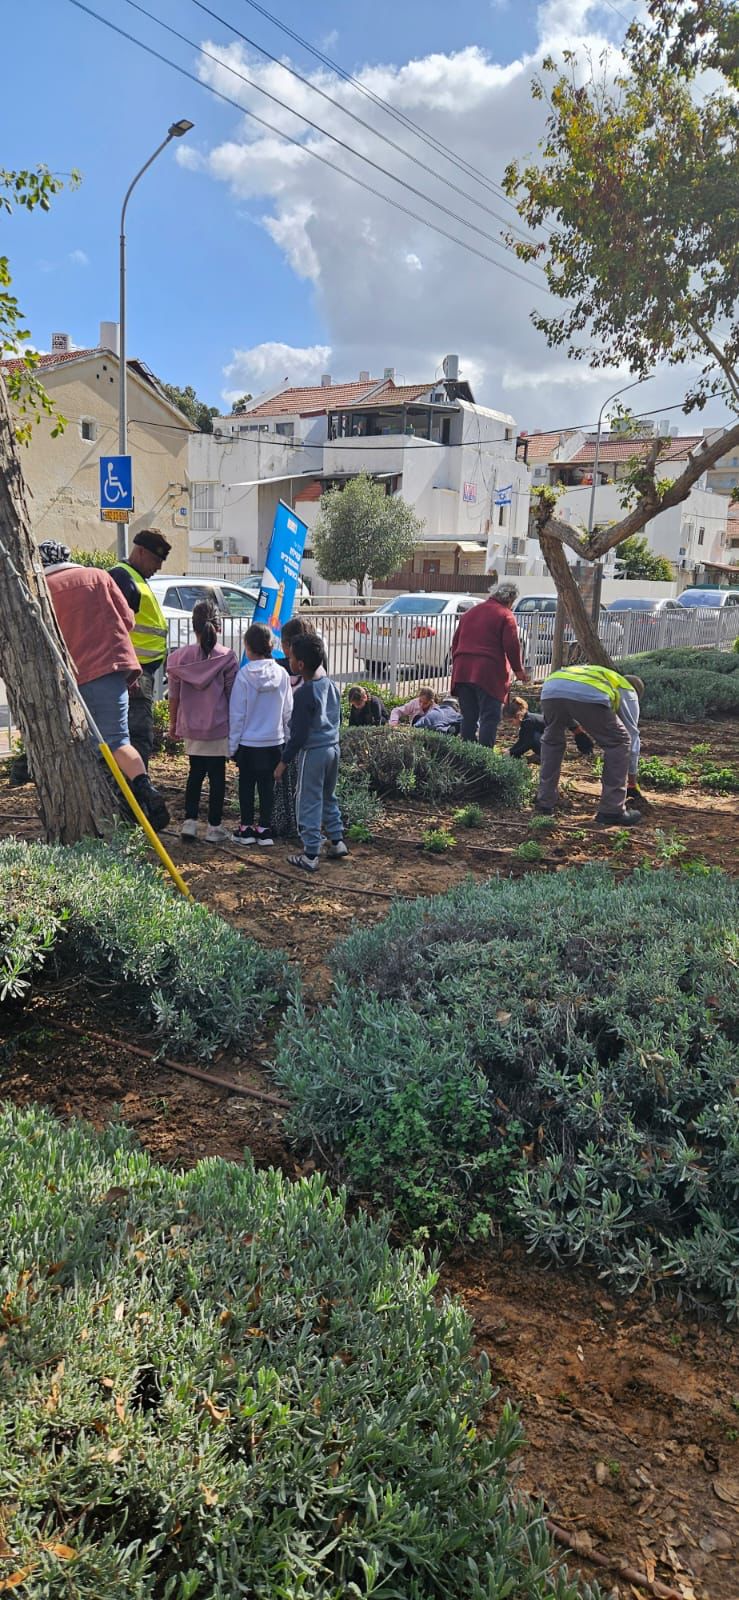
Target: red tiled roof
53, 360
308, 402
620, 449
543, 446
394, 394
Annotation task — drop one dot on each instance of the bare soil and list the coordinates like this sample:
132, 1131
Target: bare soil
631, 1409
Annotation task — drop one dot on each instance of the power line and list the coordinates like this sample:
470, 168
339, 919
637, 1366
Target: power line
306, 149
376, 132
317, 128
399, 116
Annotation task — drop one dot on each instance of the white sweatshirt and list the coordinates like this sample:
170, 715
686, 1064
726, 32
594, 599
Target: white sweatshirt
260, 707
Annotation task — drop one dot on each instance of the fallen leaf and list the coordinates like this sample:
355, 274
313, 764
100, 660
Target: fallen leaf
120, 1408
64, 1552
209, 1495
727, 1489
580, 1353
120, 1311
601, 1472
503, 1016
115, 1455
213, 1411
15, 1579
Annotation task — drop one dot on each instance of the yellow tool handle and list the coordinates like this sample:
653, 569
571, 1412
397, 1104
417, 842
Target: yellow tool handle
141, 817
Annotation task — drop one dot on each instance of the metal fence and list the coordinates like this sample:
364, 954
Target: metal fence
403, 651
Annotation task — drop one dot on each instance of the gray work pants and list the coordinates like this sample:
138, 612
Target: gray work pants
141, 717
605, 729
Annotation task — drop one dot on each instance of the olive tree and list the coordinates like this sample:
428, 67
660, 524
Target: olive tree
362, 533
637, 188
74, 797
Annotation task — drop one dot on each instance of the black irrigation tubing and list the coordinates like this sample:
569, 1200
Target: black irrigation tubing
294, 878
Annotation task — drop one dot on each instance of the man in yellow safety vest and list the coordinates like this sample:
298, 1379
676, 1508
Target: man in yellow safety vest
606, 705
149, 637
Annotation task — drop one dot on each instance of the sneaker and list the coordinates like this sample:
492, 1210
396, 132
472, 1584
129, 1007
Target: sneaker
244, 834
151, 801
336, 850
264, 836
215, 834
619, 819
308, 863
189, 829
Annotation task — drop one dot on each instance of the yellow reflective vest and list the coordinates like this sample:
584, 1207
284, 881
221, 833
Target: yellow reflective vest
149, 636
610, 683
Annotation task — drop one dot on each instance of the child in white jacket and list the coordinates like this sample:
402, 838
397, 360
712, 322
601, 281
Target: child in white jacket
259, 715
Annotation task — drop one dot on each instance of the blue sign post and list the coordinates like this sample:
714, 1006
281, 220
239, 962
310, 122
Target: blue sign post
116, 483
281, 572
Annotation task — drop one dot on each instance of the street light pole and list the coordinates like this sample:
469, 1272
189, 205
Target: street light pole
175, 132
608, 402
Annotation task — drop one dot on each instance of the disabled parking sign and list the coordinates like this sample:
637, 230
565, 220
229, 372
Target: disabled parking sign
116, 484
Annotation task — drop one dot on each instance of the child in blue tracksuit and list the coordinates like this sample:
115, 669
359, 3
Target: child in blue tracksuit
314, 739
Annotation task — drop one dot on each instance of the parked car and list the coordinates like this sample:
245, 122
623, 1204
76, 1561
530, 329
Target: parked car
610, 630
253, 585
424, 631
709, 598
636, 603
177, 596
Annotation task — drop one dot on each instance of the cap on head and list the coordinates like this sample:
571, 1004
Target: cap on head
636, 683
52, 554
151, 539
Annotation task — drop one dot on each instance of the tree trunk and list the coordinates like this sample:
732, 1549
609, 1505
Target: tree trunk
570, 597
75, 798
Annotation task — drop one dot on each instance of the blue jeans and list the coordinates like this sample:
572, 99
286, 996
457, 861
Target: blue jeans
318, 771
476, 705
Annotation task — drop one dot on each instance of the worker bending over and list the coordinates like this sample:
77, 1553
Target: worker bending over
606, 705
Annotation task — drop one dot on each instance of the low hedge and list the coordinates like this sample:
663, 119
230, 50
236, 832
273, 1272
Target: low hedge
190, 977
686, 685
433, 766
557, 1054
213, 1384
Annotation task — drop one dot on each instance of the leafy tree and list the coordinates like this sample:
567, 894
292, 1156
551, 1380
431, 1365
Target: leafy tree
362, 533
636, 560
74, 798
196, 410
240, 405
638, 190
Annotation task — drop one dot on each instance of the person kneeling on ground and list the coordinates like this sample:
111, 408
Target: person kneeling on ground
260, 710
95, 623
201, 677
417, 707
531, 727
445, 717
365, 710
607, 706
314, 739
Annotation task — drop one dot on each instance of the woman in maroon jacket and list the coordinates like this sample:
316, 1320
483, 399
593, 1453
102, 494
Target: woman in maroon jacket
486, 655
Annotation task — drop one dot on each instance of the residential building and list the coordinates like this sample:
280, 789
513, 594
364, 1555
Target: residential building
452, 460
723, 476
62, 473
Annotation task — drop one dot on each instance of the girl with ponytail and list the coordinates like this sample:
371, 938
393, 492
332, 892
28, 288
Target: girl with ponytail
201, 677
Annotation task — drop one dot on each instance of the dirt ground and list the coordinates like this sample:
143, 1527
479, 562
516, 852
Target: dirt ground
631, 1410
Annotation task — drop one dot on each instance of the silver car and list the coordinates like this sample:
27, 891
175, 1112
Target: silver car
413, 632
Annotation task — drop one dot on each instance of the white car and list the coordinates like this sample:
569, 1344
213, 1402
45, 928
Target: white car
709, 598
253, 584
419, 641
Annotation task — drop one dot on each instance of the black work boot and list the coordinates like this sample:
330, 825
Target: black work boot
151, 801
619, 819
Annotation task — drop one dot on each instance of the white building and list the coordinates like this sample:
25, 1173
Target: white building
454, 462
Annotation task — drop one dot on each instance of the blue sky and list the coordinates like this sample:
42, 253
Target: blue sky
240, 260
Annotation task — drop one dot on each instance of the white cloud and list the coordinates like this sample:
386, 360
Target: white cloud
78, 258
329, 40
270, 365
389, 291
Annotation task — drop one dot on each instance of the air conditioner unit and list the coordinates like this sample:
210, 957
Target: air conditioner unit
217, 433
224, 546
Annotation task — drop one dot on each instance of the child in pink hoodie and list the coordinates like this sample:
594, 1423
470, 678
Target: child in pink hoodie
201, 677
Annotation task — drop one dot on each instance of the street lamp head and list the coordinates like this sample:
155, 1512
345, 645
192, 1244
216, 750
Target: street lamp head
179, 128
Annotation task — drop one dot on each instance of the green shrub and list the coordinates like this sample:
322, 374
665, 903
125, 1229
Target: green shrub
381, 690
686, 685
654, 773
433, 766
438, 840
599, 1016
359, 805
530, 850
185, 973
471, 816
722, 780
94, 558
213, 1384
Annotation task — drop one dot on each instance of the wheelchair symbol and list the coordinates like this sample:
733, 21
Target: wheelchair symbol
113, 489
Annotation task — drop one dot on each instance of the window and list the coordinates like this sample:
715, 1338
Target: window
88, 429
701, 535
409, 605
285, 429
236, 603
205, 513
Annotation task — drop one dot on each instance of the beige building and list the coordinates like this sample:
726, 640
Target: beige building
63, 474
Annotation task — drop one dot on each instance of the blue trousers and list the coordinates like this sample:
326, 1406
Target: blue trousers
318, 771
477, 706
